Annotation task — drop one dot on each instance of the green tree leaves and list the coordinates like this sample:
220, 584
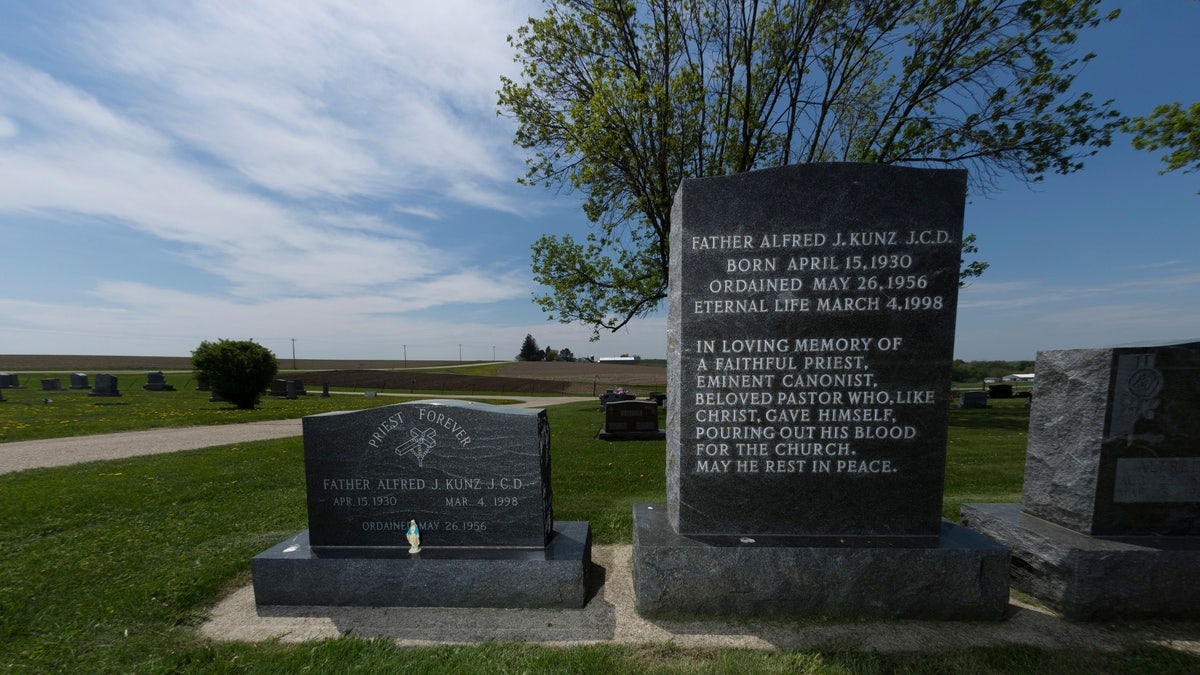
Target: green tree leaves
623, 99
238, 370
1171, 127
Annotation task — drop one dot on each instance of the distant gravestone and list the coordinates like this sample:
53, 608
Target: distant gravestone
156, 381
973, 399
80, 381
52, 384
289, 389
810, 336
1000, 391
631, 420
1109, 524
106, 385
610, 396
9, 381
473, 478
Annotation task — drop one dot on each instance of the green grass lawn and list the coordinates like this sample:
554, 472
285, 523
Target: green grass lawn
110, 566
30, 413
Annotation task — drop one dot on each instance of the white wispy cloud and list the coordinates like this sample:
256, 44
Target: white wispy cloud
322, 98
298, 151
1018, 294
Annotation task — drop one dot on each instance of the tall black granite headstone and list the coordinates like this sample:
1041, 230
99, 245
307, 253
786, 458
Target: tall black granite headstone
810, 337
1109, 525
473, 478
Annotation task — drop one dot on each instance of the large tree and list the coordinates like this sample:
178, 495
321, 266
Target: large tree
623, 99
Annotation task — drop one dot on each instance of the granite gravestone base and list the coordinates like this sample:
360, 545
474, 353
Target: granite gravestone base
965, 576
1109, 524
810, 336
475, 478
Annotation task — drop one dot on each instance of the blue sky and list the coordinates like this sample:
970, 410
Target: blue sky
335, 173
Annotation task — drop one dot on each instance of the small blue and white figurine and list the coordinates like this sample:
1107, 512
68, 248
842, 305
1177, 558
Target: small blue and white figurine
414, 537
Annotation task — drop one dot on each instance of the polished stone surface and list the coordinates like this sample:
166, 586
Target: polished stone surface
1114, 440
293, 573
964, 577
469, 474
1090, 578
810, 336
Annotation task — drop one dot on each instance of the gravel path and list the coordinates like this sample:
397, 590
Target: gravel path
610, 617
21, 455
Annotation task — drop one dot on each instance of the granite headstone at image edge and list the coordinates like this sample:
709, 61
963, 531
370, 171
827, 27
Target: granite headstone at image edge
469, 474
1109, 523
811, 329
9, 381
1114, 441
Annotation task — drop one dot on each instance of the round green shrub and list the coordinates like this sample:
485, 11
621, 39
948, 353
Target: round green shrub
238, 371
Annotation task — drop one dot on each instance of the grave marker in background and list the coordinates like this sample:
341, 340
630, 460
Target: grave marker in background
156, 381
1109, 525
106, 385
52, 384
810, 336
289, 389
631, 420
80, 381
973, 399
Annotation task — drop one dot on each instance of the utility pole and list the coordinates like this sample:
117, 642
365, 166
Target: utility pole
406, 356
293, 353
